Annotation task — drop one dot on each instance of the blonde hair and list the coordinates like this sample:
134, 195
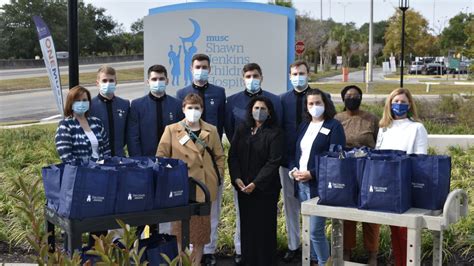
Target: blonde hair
108, 70
387, 117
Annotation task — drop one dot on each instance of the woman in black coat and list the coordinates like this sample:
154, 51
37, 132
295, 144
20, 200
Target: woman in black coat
254, 159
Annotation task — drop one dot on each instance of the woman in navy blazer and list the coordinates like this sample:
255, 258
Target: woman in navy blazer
316, 135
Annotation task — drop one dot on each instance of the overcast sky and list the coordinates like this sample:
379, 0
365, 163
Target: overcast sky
437, 12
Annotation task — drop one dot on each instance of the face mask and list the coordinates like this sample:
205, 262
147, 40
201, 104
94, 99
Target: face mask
352, 103
299, 82
260, 115
399, 109
201, 74
80, 107
316, 110
107, 88
192, 115
158, 86
252, 85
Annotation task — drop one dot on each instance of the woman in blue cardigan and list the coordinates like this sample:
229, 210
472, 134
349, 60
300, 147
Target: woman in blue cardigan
80, 136
316, 135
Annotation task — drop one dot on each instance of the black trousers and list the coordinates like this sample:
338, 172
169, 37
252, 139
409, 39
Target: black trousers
258, 228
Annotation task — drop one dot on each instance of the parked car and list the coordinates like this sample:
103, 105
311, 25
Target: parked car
435, 69
416, 68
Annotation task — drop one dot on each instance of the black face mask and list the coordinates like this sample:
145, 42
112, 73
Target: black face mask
352, 103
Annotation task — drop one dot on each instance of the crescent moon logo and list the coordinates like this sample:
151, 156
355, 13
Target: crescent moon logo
195, 34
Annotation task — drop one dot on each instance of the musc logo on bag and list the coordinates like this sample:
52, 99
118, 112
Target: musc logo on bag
177, 193
378, 189
336, 185
136, 196
92, 198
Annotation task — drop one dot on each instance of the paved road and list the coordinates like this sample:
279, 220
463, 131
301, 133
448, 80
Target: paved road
39, 104
356, 76
38, 72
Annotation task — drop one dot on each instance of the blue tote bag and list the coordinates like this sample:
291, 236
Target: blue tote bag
135, 182
87, 191
135, 189
431, 176
156, 245
171, 183
338, 183
52, 176
386, 184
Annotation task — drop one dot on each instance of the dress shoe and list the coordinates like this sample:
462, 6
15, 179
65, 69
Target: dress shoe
238, 259
209, 260
290, 255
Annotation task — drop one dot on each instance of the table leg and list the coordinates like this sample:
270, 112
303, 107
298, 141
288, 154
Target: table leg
51, 239
337, 239
74, 242
184, 234
414, 246
437, 248
306, 241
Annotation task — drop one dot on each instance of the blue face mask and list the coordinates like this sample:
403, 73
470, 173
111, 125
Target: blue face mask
158, 86
299, 82
399, 109
252, 85
107, 88
201, 74
80, 107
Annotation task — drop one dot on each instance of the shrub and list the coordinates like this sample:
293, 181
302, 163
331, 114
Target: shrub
25, 150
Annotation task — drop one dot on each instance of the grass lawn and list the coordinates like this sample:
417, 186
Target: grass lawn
386, 88
330, 73
133, 74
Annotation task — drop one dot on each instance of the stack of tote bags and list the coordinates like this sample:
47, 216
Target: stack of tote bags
383, 180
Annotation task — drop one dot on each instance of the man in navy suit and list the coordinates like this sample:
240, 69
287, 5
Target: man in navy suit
111, 109
150, 114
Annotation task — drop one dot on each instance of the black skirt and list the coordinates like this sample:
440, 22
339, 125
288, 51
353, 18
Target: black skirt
258, 228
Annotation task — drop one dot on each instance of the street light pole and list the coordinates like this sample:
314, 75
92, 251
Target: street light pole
403, 6
371, 39
321, 47
344, 5
73, 46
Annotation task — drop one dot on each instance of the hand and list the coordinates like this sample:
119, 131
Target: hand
240, 183
249, 189
302, 176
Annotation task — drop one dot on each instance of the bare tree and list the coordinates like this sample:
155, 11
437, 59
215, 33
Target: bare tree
313, 33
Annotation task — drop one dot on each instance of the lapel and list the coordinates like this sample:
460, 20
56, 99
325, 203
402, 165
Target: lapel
181, 133
320, 135
300, 137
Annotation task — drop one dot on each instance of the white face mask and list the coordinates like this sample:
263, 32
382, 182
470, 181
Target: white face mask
192, 115
316, 110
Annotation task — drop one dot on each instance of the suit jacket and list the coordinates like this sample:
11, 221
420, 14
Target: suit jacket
321, 144
196, 157
142, 123
256, 158
120, 110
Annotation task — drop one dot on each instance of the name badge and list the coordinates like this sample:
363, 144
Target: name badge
184, 139
325, 131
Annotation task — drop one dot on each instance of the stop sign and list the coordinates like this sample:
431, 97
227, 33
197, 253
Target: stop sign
299, 47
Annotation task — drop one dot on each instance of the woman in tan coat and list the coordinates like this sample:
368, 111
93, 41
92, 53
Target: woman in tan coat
187, 141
